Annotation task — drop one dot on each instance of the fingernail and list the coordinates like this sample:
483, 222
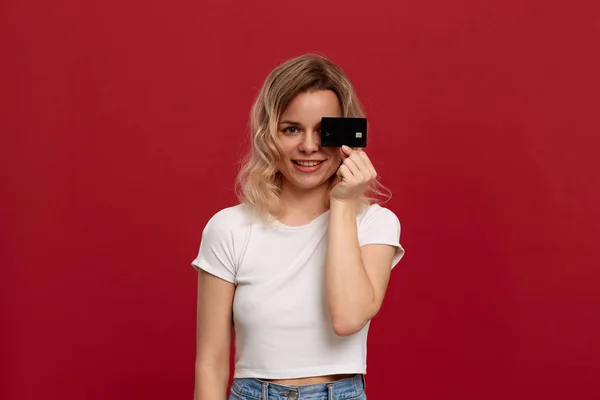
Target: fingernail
345, 147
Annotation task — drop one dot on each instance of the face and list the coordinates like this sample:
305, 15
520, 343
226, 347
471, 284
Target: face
307, 165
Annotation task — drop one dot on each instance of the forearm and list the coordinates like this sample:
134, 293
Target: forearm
349, 292
211, 382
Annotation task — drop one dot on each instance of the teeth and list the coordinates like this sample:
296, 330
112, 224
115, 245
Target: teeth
308, 163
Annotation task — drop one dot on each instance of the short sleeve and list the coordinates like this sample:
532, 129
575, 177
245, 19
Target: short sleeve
217, 253
381, 226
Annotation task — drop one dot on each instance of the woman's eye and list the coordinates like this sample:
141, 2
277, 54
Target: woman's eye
291, 130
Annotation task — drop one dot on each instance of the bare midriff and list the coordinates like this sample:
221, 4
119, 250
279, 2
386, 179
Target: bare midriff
313, 380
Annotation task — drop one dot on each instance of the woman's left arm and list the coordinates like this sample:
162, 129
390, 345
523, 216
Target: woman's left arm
356, 277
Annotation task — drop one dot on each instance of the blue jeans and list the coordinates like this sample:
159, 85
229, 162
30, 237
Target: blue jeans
352, 388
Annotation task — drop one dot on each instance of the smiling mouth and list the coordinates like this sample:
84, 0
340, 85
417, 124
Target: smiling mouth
308, 163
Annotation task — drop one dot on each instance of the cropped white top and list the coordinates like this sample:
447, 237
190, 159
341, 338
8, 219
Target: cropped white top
281, 326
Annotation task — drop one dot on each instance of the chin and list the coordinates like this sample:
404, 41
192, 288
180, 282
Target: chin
311, 183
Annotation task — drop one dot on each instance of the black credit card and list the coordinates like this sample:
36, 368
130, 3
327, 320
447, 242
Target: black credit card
339, 131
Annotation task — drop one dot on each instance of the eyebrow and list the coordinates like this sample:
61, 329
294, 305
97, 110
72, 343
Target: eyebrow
288, 122
294, 123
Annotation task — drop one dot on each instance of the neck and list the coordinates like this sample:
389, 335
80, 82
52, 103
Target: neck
298, 206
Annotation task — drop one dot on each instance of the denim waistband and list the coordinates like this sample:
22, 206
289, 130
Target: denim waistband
256, 389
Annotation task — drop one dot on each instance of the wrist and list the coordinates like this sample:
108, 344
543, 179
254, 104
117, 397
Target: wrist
338, 205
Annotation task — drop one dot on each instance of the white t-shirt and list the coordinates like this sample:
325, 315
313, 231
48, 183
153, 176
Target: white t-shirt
282, 329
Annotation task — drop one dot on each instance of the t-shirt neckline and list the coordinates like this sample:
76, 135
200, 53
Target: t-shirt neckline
323, 216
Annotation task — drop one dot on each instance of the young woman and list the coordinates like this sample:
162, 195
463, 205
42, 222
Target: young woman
301, 265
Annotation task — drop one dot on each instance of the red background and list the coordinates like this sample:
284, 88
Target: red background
121, 125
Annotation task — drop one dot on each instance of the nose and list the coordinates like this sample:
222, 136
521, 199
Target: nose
311, 141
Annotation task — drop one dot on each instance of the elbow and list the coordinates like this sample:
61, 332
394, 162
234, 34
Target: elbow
347, 326
347, 322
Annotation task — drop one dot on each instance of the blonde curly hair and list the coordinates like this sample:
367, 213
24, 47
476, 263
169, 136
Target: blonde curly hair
258, 181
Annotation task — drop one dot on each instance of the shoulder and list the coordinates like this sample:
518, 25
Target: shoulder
375, 214
228, 223
222, 242
380, 225
230, 218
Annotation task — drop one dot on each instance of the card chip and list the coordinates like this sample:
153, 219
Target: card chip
358, 135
